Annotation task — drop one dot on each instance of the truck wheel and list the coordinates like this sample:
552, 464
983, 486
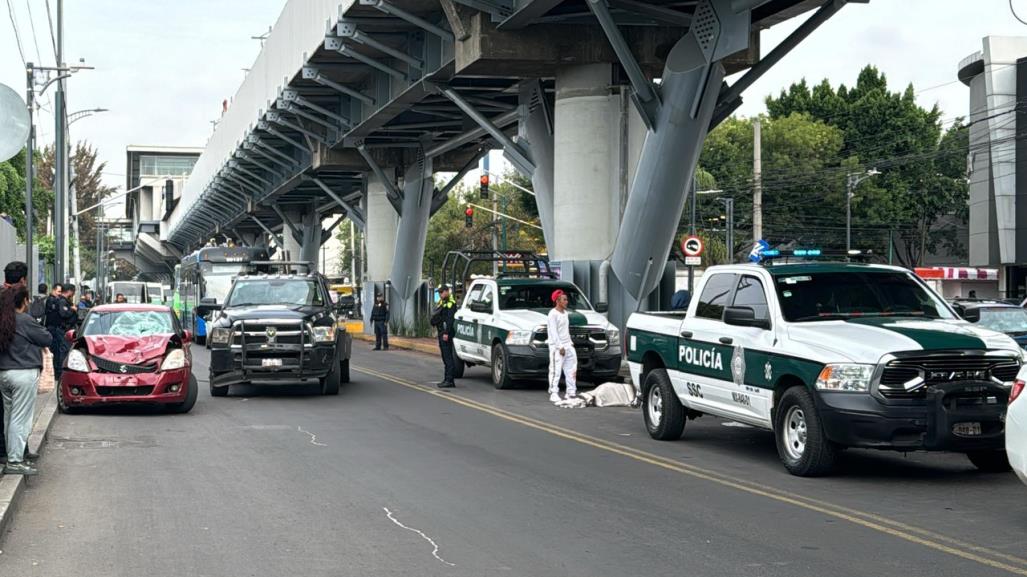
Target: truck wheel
190, 397
990, 461
458, 367
801, 442
221, 391
330, 384
664, 414
500, 371
344, 371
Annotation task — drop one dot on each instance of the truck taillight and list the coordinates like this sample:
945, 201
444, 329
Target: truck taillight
1017, 389
626, 338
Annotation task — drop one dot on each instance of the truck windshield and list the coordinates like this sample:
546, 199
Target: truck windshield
289, 292
1005, 320
820, 296
538, 297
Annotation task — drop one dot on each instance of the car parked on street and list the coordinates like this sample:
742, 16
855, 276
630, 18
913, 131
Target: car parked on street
128, 354
1016, 427
995, 315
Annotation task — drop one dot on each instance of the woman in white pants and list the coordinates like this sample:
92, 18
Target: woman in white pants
21, 357
562, 357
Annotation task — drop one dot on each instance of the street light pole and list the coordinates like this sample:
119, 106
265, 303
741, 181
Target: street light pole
29, 173
851, 182
60, 168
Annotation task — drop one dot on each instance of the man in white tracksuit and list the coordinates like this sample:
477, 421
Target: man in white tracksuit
562, 358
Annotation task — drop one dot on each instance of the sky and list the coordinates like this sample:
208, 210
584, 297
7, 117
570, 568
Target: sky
163, 68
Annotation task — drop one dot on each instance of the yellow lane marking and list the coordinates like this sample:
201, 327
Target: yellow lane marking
871, 521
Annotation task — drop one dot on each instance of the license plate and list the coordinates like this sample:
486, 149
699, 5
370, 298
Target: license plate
268, 363
967, 429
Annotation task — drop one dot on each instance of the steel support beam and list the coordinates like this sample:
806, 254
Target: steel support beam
326, 234
421, 23
244, 154
236, 165
271, 149
252, 147
349, 29
336, 44
536, 131
526, 12
314, 74
501, 121
297, 234
278, 240
731, 97
408, 259
297, 111
441, 195
322, 110
648, 101
276, 117
353, 212
266, 126
394, 193
517, 155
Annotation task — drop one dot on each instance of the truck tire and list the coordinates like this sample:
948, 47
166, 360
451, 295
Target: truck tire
458, 367
994, 461
344, 371
500, 370
330, 384
663, 412
190, 398
802, 443
221, 391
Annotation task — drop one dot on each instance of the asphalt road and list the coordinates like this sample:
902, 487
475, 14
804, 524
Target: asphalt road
393, 477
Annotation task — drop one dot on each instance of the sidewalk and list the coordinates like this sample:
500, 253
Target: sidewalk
11, 486
421, 345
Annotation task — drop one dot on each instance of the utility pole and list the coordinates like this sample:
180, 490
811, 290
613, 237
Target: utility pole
852, 180
729, 228
30, 148
757, 178
495, 219
60, 169
691, 231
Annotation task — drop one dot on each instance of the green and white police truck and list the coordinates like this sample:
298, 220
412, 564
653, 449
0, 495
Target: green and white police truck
827, 355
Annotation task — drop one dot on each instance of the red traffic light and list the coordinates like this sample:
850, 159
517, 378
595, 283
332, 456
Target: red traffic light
469, 211
484, 180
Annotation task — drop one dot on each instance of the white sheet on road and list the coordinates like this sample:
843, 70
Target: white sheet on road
605, 395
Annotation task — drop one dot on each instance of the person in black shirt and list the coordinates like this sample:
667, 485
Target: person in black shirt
380, 318
59, 313
15, 274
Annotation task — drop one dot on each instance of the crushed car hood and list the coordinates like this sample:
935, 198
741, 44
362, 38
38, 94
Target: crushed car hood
131, 350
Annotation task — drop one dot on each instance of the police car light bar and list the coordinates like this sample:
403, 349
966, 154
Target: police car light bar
773, 254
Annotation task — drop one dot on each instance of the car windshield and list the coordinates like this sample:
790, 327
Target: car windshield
818, 296
1004, 320
129, 323
291, 292
538, 297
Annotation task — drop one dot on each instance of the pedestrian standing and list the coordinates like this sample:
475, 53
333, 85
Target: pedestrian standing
37, 309
15, 274
443, 318
562, 357
380, 318
21, 359
58, 314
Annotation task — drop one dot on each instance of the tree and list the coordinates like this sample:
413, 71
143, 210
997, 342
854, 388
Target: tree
12, 196
921, 193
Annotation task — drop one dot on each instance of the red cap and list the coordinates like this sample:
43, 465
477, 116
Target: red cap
557, 294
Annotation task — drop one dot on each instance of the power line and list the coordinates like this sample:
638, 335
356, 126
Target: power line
1015, 15
53, 40
17, 35
32, 23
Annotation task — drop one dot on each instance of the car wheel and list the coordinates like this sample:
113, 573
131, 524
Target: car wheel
221, 391
500, 370
664, 414
990, 461
330, 384
190, 397
802, 444
62, 406
344, 370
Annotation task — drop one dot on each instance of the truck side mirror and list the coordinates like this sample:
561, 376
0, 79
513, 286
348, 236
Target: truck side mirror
744, 317
602, 307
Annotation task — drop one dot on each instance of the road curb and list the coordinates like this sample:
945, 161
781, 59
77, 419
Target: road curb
11, 486
402, 343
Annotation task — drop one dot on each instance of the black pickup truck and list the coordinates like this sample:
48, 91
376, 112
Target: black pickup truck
278, 329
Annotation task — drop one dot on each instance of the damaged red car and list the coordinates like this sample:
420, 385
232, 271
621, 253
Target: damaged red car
128, 354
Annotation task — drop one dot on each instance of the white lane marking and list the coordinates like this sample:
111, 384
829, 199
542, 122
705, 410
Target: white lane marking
435, 550
313, 437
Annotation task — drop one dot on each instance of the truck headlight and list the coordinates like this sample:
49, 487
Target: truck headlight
324, 334
845, 377
174, 360
518, 338
77, 361
220, 336
613, 337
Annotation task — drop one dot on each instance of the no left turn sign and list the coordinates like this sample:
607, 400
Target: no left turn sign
691, 246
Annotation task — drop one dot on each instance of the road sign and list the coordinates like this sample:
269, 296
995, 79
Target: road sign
691, 246
693, 261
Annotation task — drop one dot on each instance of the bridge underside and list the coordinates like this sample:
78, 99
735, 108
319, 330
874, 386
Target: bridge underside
396, 91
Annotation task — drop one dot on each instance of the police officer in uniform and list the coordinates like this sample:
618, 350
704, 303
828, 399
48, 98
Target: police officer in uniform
444, 321
60, 314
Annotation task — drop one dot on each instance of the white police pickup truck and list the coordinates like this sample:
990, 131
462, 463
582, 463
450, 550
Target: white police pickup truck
502, 324
827, 356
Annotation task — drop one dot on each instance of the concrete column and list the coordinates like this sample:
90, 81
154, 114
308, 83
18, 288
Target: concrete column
310, 245
382, 224
293, 246
418, 187
587, 164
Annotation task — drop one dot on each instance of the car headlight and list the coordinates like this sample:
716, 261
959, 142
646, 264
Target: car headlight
613, 337
174, 360
845, 377
324, 334
518, 338
77, 361
220, 336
